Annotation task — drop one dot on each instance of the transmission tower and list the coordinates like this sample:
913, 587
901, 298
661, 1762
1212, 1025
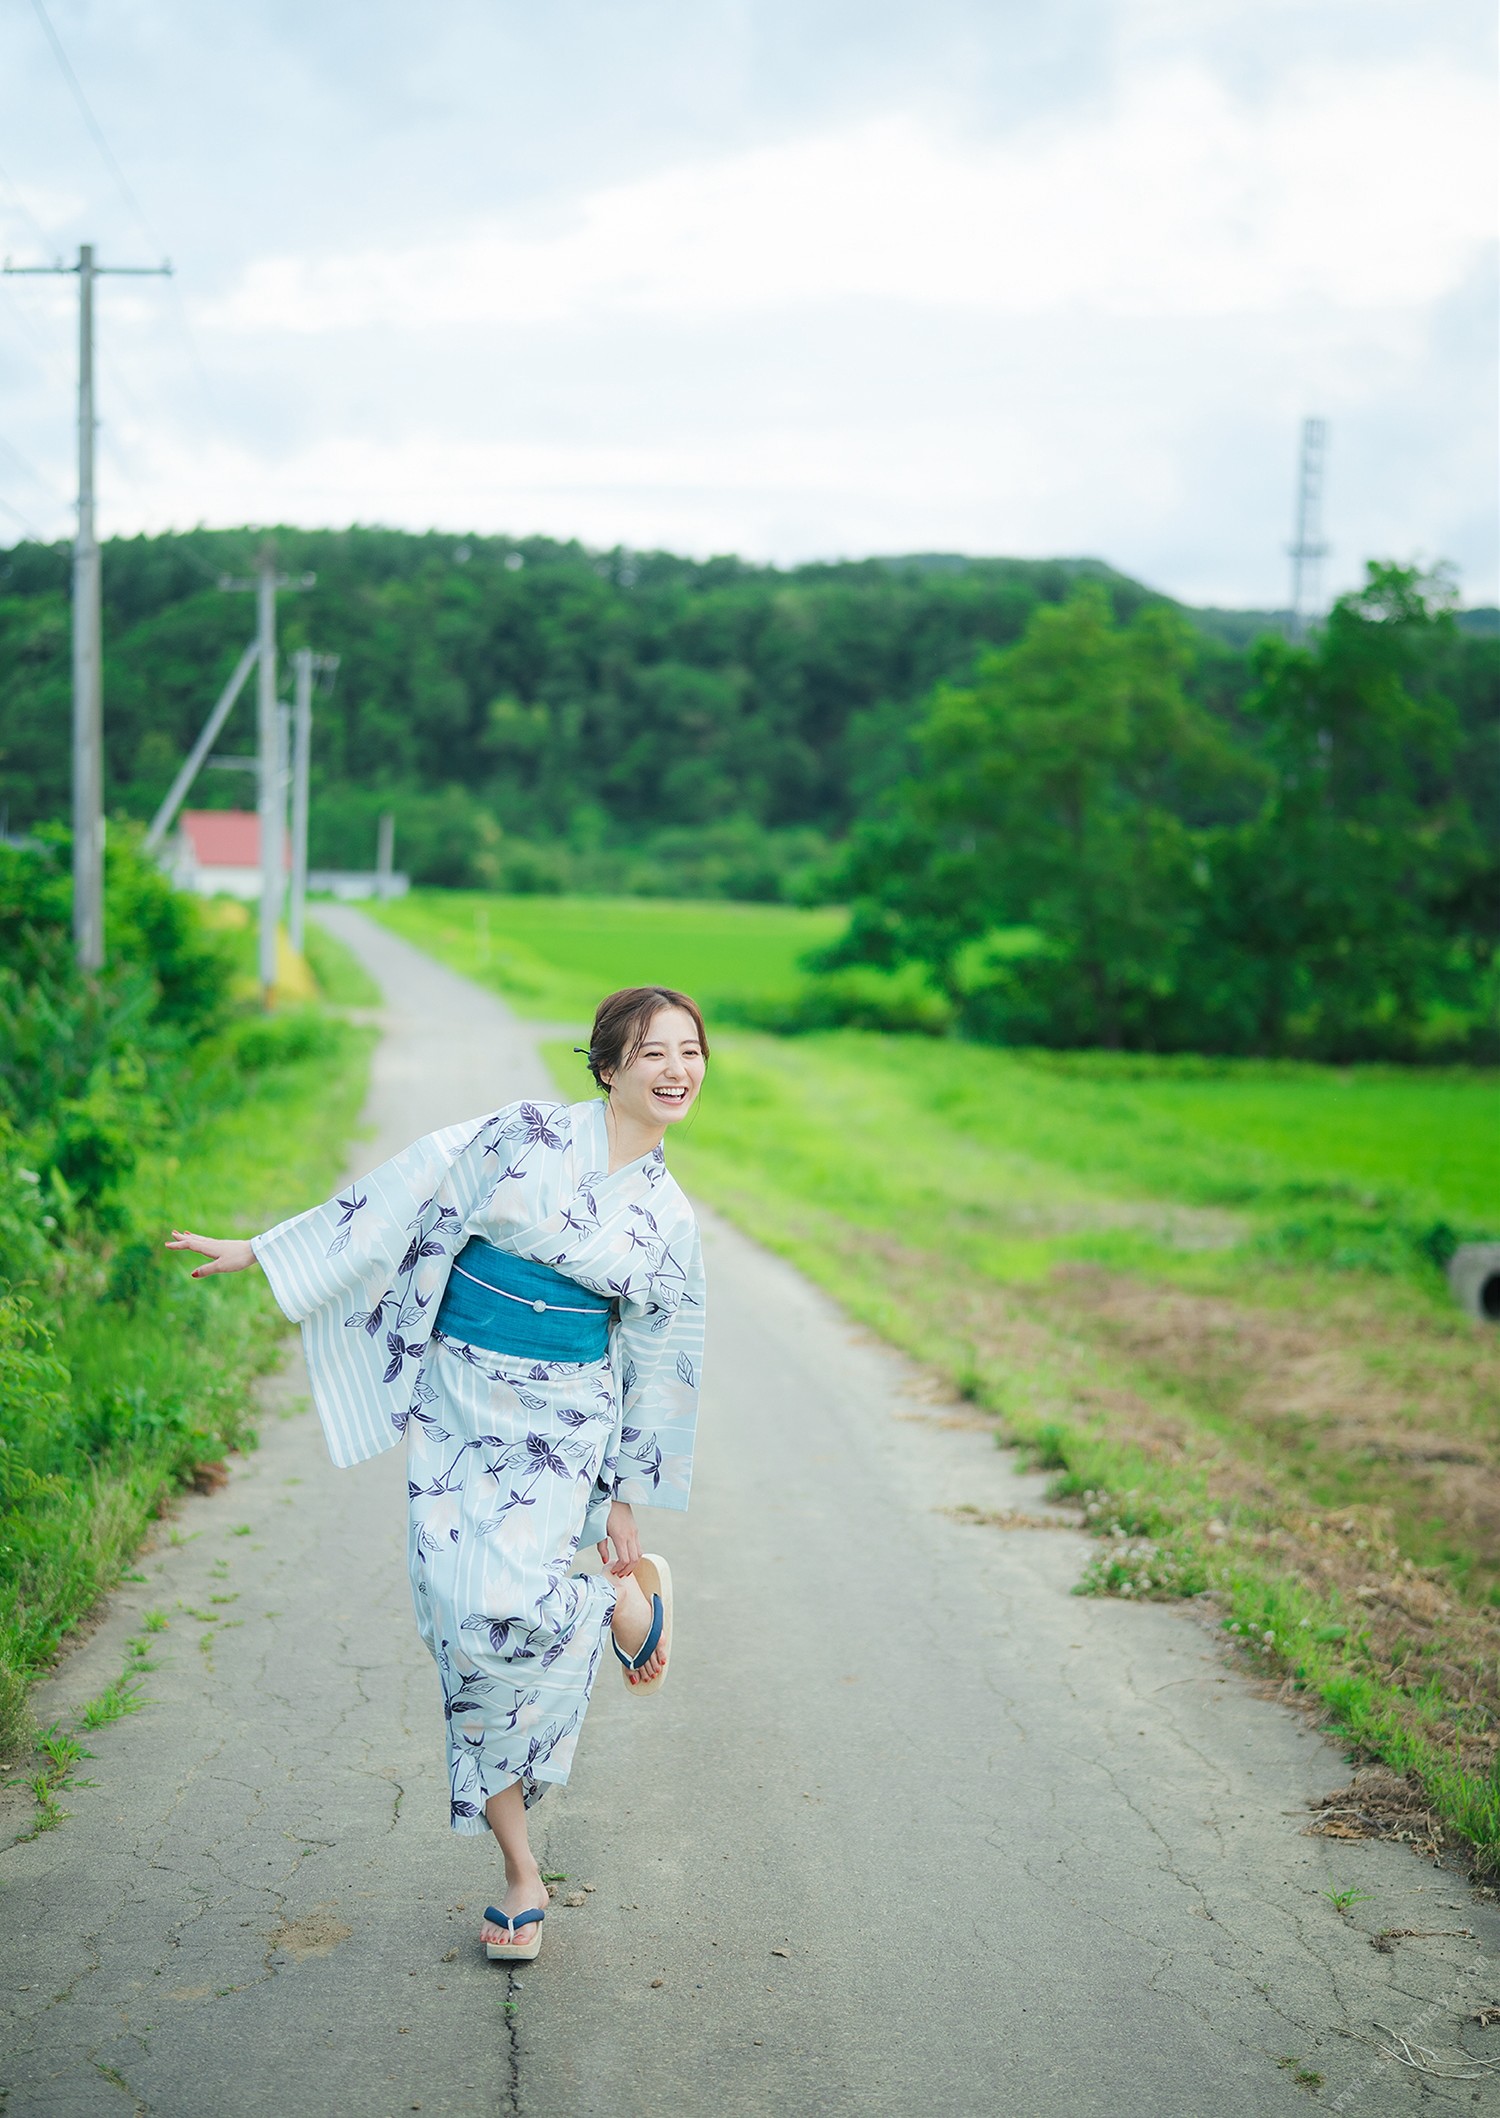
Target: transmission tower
1308, 549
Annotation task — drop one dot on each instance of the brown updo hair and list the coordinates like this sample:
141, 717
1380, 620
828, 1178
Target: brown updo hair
623, 1020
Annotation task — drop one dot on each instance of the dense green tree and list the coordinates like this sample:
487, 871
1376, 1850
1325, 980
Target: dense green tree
1084, 854
1057, 792
1360, 903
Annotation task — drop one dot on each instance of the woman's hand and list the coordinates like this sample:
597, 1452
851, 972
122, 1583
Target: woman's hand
621, 1532
224, 1253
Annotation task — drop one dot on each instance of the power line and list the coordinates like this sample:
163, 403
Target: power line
26, 523
41, 348
96, 132
38, 478
23, 209
27, 470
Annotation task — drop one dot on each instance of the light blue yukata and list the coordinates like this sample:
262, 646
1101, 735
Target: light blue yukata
511, 1463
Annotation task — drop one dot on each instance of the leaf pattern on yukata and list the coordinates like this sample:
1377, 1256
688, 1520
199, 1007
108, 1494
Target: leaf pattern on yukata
399, 1351
348, 1208
545, 1457
370, 1320
496, 1630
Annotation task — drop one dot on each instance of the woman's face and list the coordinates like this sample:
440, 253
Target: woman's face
661, 1083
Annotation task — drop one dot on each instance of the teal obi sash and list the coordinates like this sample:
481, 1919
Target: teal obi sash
517, 1307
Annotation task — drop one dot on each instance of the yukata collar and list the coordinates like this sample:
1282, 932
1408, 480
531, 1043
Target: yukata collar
598, 1153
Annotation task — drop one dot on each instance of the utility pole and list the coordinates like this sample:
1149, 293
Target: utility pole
271, 793
198, 756
1309, 549
302, 665
270, 769
306, 665
385, 853
88, 644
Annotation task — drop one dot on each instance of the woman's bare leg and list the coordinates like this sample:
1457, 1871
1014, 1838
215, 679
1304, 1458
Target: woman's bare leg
505, 1813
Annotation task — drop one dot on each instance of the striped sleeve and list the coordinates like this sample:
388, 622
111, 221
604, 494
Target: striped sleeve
362, 1276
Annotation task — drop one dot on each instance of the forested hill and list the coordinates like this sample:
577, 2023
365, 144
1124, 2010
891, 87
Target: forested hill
533, 712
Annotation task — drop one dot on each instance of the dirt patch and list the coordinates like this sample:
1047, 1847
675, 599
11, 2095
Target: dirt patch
1378, 1804
1394, 1404
317, 1933
1013, 1519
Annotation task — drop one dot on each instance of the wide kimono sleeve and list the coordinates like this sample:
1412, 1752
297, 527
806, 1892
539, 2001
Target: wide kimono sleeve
363, 1276
659, 1364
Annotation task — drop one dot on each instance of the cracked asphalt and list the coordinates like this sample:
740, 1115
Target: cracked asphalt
912, 1829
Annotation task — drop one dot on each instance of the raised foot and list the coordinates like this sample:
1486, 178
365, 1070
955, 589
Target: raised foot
630, 1625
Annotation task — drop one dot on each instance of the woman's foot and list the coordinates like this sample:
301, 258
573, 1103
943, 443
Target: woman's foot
630, 1625
528, 1893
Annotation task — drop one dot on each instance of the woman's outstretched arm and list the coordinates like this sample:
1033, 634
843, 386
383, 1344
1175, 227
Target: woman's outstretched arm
224, 1253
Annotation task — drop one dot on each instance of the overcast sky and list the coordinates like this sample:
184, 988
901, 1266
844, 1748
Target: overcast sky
792, 278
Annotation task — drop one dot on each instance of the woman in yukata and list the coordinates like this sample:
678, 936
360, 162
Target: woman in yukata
521, 1300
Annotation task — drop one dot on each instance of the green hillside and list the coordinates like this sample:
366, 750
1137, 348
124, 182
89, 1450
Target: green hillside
537, 715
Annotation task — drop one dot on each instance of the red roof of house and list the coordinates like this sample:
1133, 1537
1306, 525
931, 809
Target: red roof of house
224, 838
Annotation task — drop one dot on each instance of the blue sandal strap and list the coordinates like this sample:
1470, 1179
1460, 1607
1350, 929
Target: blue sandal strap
503, 1919
648, 1646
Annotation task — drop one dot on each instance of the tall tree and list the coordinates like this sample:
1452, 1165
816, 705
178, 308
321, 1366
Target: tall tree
1085, 855
1057, 795
1351, 911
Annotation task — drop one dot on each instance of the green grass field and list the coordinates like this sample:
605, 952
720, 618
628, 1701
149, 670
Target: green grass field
554, 958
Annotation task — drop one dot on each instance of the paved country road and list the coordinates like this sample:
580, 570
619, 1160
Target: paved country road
913, 1830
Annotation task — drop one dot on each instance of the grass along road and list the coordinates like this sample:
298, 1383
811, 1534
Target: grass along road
147, 1377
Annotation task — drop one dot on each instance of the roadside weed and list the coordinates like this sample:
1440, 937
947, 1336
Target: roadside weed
1343, 1900
114, 1702
61, 1751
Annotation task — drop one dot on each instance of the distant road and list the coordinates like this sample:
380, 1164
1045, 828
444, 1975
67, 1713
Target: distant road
912, 1830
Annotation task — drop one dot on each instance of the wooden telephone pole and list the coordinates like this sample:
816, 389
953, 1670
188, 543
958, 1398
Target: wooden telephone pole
88, 644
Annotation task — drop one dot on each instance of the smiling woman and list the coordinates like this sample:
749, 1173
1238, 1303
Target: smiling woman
521, 1299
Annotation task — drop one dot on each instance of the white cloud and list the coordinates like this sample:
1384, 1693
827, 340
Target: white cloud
1358, 188
873, 275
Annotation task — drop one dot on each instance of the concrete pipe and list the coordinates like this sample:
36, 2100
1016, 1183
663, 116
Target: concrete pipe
1474, 1276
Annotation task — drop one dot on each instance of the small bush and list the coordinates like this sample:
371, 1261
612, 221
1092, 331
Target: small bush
268, 1041
858, 997
1139, 1566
